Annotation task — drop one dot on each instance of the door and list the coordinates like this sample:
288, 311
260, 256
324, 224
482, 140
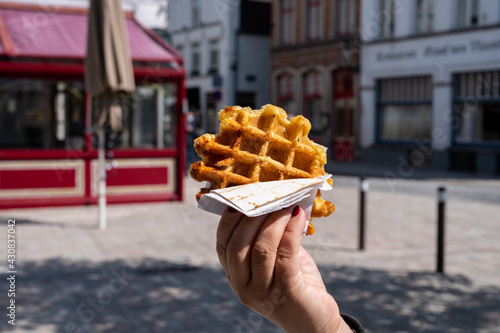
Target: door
343, 113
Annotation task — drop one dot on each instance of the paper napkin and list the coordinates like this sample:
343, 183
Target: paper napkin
262, 198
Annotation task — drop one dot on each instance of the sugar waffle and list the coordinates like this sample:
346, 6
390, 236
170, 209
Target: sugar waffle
258, 146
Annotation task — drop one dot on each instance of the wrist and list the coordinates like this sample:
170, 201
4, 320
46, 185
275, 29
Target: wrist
337, 325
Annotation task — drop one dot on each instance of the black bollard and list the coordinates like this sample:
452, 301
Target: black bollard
440, 229
363, 188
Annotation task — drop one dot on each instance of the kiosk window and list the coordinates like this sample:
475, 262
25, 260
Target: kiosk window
41, 114
149, 117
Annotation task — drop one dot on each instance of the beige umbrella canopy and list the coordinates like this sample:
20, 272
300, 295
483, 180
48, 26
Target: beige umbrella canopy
108, 73
108, 66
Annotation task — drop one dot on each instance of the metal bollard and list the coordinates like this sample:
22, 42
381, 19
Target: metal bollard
363, 188
440, 229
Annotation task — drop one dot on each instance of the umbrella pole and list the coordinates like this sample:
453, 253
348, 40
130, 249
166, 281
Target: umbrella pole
102, 181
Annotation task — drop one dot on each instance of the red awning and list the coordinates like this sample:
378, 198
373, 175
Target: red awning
39, 32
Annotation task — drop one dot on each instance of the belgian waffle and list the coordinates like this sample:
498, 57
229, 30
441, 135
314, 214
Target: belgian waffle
258, 146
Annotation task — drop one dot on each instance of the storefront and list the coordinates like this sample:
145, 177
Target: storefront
48, 153
433, 100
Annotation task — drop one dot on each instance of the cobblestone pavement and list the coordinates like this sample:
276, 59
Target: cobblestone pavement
155, 269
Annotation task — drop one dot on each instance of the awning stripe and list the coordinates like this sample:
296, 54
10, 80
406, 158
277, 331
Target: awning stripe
35, 32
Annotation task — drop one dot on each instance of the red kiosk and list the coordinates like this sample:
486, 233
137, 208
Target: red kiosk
48, 154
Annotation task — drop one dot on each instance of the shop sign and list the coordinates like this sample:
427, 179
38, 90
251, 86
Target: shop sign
473, 46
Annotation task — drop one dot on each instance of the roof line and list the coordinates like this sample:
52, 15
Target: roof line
51, 8
5, 39
178, 57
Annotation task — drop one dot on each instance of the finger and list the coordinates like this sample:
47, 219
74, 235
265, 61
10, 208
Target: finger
239, 250
266, 245
228, 223
287, 260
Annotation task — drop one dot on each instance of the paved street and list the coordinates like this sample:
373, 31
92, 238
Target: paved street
155, 268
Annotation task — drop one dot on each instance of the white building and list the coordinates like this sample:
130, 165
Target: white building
430, 83
227, 54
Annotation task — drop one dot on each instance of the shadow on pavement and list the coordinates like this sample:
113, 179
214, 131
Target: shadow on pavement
55, 224
160, 296
413, 302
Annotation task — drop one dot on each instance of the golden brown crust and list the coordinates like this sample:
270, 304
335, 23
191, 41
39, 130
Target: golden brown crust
257, 146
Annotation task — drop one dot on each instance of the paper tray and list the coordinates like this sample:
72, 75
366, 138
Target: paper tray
262, 198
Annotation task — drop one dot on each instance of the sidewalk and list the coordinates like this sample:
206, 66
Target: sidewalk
155, 269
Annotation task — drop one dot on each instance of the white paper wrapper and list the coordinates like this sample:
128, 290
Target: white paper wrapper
262, 198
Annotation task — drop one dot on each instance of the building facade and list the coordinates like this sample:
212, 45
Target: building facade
430, 83
48, 146
226, 45
315, 56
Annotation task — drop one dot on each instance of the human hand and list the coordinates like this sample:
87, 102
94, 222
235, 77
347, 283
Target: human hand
272, 274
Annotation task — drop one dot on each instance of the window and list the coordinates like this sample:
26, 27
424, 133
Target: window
344, 103
425, 16
477, 107
286, 22
180, 48
41, 114
313, 102
214, 57
313, 20
149, 117
405, 109
196, 12
345, 17
245, 99
467, 13
387, 9
195, 59
286, 89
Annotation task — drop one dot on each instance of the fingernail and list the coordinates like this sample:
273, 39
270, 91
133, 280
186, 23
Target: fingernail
231, 210
296, 211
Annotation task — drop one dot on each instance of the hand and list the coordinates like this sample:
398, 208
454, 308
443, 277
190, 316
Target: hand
272, 274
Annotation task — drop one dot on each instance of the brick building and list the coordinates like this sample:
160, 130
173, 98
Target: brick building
315, 54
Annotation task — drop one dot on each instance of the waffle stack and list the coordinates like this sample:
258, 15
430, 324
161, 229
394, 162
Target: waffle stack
258, 146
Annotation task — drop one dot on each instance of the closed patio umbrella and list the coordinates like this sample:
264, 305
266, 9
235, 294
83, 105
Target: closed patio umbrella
108, 73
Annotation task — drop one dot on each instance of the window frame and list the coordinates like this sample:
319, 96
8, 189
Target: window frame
387, 29
312, 93
289, 94
406, 101
286, 35
196, 12
180, 49
349, 15
53, 93
313, 20
425, 14
465, 13
458, 99
213, 48
195, 54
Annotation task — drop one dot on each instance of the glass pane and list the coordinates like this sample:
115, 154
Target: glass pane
478, 123
41, 114
351, 119
461, 13
412, 89
149, 117
289, 106
408, 122
340, 105
315, 116
342, 17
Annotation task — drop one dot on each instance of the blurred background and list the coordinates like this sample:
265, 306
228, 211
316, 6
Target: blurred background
404, 92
